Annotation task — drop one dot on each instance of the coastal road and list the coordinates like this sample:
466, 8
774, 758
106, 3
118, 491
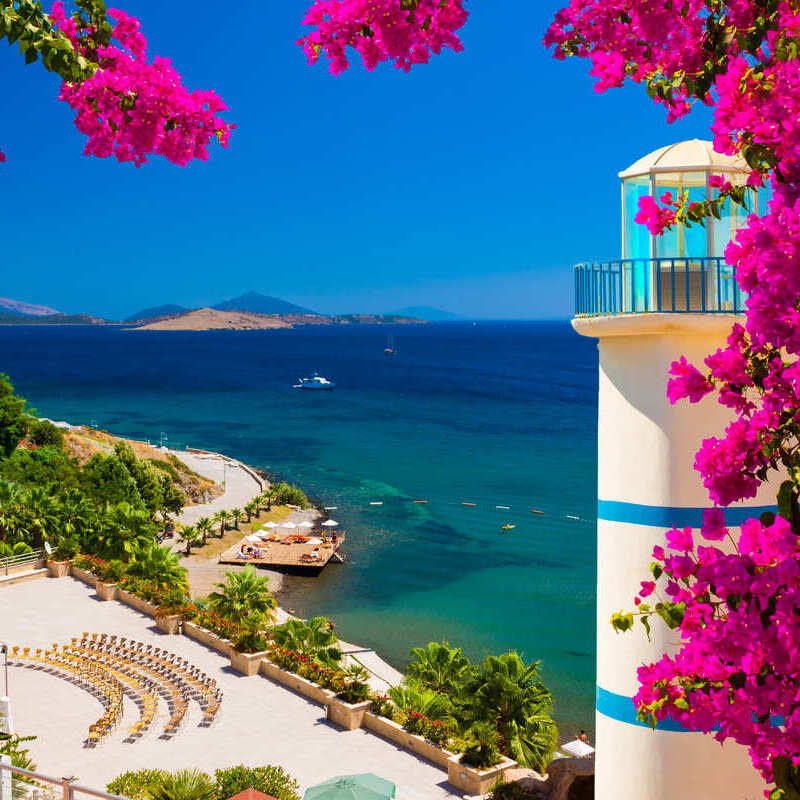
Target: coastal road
240, 485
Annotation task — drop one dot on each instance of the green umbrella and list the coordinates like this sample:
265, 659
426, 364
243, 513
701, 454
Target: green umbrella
352, 787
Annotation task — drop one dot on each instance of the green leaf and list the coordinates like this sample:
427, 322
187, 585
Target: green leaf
671, 613
622, 622
786, 500
656, 569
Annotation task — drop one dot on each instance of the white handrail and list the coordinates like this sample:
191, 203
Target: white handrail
19, 560
68, 785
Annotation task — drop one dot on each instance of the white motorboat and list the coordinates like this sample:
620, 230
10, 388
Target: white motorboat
315, 382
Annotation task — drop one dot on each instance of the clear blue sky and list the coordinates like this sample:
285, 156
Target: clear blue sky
472, 184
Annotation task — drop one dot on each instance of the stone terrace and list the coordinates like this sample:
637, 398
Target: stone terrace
260, 722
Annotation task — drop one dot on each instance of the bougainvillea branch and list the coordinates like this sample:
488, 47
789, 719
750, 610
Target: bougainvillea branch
126, 106
737, 610
403, 31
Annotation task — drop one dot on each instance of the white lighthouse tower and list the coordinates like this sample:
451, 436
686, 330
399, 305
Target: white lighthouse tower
668, 296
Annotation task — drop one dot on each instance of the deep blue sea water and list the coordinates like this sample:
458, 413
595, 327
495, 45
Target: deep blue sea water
487, 413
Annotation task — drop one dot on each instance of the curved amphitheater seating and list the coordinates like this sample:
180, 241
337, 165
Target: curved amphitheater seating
110, 667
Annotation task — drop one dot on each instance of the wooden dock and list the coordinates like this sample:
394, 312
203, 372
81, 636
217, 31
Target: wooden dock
284, 553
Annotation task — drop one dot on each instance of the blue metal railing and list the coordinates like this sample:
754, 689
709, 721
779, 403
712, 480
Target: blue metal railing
673, 285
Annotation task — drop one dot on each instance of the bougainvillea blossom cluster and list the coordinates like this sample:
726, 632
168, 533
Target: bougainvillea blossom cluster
738, 666
132, 109
738, 613
126, 106
405, 32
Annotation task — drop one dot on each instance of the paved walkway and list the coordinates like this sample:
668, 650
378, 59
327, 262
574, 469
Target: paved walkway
240, 486
260, 722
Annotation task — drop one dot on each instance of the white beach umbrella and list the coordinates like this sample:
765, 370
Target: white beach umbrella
331, 523
314, 541
578, 748
289, 525
306, 524
253, 538
271, 524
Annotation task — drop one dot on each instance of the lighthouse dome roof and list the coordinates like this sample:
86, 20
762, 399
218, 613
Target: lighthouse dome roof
691, 155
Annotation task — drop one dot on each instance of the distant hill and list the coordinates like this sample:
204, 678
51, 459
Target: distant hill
13, 318
17, 307
210, 319
261, 304
376, 319
427, 313
157, 311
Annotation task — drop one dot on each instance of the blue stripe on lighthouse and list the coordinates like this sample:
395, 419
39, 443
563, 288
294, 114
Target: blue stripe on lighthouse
667, 516
620, 708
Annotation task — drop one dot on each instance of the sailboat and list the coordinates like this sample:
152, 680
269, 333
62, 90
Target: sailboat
389, 349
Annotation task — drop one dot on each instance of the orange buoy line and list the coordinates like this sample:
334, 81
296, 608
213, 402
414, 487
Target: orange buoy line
534, 511
418, 502
469, 504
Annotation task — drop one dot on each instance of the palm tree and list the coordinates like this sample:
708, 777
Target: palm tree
250, 510
10, 499
440, 667
482, 741
40, 514
124, 530
243, 594
236, 515
159, 565
76, 513
511, 695
272, 494
412, 697
223, 518
205, 526
314, 639
185, 784
190, 536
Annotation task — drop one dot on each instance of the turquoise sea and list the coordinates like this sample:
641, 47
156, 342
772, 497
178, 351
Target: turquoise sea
496, 414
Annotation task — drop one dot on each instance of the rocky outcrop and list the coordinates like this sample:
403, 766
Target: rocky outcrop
570, 779
566, 779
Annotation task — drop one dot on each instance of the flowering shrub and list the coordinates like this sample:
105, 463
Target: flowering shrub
211, 621
383, 706
403, 31
738, 666
307, 668
434, 730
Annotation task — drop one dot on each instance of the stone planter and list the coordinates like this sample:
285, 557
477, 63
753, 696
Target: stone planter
300, 685
345, 715
247, 663
207, 638
136, 602
58, 569
82, 575
472, 781
169, 623
408, 741
105, 591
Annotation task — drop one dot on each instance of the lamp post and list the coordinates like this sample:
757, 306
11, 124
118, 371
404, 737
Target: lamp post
6, 720
4, 651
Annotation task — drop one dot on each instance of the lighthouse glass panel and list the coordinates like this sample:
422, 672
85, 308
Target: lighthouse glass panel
683, 241
636, 238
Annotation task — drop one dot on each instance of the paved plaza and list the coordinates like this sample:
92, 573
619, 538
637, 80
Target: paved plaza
260, 722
